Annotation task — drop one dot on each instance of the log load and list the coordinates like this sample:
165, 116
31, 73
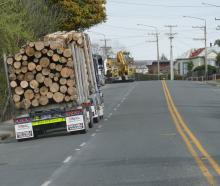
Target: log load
43, 72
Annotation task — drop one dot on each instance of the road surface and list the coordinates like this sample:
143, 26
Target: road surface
154, 133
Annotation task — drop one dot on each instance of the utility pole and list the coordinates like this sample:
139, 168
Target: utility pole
218, 27
171, 37
205, 42
157, 41
158, 52
204, 28
105, 47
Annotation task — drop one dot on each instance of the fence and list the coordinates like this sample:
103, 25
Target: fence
149, 77
213, 77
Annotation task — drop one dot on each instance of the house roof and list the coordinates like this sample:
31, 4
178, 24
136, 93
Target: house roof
193, 53
196, 53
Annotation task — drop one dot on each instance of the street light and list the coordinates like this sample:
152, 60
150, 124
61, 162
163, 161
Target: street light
157, 41
205, 39
211, 5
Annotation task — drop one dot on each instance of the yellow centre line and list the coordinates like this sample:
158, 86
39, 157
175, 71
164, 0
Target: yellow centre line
196, 142
179, 123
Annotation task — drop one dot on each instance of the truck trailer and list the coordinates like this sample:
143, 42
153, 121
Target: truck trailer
52, 84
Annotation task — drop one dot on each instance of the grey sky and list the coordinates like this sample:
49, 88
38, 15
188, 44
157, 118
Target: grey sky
124, 15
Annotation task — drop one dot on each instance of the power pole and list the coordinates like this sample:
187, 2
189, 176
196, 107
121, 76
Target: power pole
158, 53
204, 28
171, 37
105, 47
205, 37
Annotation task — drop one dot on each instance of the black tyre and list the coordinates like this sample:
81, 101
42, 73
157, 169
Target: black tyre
85, 130
96, 120
91, 123
20, 140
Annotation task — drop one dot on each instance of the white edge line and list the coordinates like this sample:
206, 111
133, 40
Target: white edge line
93, 134
46, 183
67, 159
83, 144
77, 149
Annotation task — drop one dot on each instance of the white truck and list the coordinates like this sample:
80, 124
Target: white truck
77, 114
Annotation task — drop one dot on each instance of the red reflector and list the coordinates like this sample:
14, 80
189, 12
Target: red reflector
22, 120
74, 112
86, 104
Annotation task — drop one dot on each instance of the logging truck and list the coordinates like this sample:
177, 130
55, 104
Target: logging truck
53, 84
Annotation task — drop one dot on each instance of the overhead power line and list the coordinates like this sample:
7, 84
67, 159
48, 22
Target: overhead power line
159, 5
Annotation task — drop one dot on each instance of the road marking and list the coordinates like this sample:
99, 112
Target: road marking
83, 144
196, 142
100, 126
185, 137
77, 149
105, 119
67, 159
97, 130
169, 134
93, 134
115, 109
119, 105
46, 183
109, 115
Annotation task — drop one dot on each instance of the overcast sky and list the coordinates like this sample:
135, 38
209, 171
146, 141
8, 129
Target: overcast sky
124, 15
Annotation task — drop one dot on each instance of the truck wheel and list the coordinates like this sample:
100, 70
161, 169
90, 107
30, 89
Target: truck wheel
96, 120
85, 130
91, 124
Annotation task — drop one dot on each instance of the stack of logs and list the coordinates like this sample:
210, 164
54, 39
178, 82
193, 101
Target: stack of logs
42, 73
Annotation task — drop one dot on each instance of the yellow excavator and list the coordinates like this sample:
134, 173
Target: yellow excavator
120, 69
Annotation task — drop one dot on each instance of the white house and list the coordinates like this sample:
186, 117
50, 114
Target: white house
197, 57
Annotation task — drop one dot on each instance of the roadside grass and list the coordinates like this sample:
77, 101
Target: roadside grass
2, 90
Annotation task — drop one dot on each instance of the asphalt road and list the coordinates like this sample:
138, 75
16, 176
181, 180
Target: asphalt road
137, 144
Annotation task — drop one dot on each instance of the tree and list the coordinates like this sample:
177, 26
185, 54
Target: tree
201, 69
23, 20
218, 60
217, 42
190, 66
81, 14
163, 58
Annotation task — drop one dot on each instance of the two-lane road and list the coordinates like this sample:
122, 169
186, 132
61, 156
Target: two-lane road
140, 142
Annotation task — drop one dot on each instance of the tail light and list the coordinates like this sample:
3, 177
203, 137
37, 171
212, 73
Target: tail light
74, 112
86, 104
22, 120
